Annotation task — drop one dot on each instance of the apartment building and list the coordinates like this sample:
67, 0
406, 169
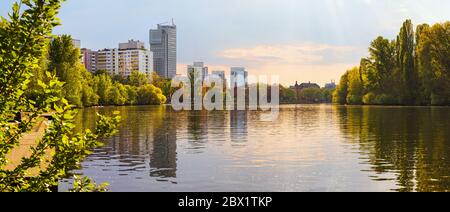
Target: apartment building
89, 59
129, 57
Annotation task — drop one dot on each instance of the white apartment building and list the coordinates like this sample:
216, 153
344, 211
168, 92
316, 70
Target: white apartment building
129, 57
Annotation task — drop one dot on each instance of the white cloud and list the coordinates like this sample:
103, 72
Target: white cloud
319, 63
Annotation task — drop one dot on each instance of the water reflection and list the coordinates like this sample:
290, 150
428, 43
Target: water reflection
163, 150
238, 127
309, 148
411, 142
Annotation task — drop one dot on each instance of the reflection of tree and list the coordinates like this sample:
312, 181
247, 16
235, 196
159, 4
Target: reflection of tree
163, 156
413, 143
143, 131
197, 129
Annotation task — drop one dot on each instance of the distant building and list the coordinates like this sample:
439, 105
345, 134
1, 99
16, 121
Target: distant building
129, 57
76, 43
108, 60
331, 85
132, 44
163, 44
305, 86
239, 77
89, 59
221, 75
198, 70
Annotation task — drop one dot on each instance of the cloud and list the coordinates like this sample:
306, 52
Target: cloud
313, 62
301, 54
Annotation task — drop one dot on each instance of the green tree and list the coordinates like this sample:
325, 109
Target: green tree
64, 61
405, 59
102, 85
341, 92
433, 63
22, 43
150, 95
131, 94
355, 87
138, 79
379, 68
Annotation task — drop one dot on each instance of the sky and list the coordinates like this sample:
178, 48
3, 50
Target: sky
298, 40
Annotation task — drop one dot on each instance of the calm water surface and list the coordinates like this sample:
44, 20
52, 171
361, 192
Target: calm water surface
309, 148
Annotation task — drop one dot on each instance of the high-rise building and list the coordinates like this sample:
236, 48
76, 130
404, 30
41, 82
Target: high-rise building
89, 59
239, 76
198, 70
129, 57
163, 44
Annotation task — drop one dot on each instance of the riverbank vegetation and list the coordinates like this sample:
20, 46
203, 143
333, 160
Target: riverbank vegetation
23, 44
305, 96
413, 69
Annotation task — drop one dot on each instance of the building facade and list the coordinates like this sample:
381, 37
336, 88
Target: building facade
220, 75
163, 44
89, 59
198, 70
129, 57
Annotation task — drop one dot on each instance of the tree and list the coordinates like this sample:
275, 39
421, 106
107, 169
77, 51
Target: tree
116, 95
405, 59
138, 79
164, 84
340, 95
89, 96
102, 85
379, 68
150, 95
64, 61
433, 63
355, 87
22, 41
131, 94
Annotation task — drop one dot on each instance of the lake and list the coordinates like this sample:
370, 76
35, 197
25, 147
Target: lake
309, 148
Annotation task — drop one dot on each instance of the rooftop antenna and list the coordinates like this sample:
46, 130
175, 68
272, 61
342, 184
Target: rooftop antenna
173, 24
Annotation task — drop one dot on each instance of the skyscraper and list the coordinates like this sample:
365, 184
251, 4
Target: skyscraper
163, 44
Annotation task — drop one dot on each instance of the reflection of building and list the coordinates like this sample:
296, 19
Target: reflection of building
163, 155
239, 77
163, 150
238, 126
163, 43
131, 56
198, 70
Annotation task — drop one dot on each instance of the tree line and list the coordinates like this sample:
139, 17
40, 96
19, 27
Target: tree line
84, 89
413, 69
305, 96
